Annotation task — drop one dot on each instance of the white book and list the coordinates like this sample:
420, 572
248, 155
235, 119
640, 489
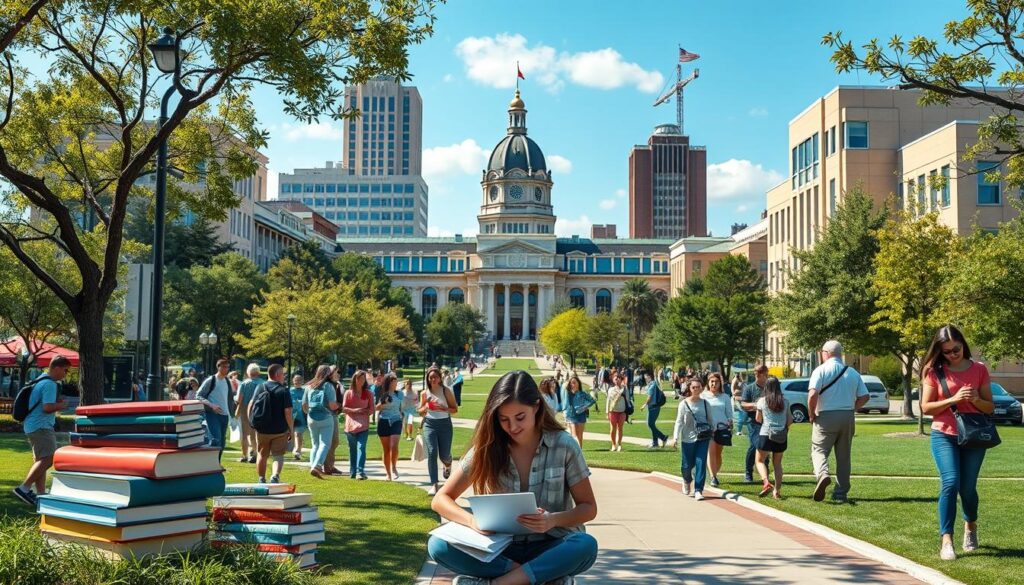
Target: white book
485, 547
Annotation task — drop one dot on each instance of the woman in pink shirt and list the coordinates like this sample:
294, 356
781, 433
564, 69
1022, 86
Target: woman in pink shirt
357, 406
967, 389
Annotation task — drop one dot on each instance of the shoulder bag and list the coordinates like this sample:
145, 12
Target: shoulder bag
974, 430
703, 429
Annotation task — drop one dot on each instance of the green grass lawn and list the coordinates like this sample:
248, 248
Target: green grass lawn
376, 531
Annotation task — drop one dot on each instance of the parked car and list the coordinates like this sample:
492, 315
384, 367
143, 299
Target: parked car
795, 390
1007, 408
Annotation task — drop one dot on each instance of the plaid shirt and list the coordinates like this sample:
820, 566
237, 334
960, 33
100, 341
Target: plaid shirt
558, 464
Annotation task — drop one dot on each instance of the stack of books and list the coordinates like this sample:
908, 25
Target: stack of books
281, 523
135, 493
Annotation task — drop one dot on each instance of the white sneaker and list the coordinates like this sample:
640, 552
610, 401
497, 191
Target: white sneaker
947, 553
467, 580
698, 496
686, 488
970, 540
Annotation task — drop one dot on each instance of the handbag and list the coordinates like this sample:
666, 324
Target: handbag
778, 435
974, 430
419, 450
723, 435
702, 429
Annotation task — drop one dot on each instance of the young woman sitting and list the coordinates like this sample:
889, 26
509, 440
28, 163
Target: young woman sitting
518, 446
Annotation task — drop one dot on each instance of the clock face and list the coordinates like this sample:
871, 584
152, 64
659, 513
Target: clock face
515, 192
494, 193
538, 194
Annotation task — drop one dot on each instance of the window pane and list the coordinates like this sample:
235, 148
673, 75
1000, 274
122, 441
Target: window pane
856, 135
988, 193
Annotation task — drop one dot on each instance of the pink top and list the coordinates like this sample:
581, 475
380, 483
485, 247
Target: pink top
976, 376
357, 410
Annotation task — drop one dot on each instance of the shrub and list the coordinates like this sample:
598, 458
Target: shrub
27, 559
890, 371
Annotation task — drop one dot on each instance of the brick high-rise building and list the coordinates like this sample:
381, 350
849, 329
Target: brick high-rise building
668, 186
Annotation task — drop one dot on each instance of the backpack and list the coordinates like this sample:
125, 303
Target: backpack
317, 401
21, 408
261, 415
658, 395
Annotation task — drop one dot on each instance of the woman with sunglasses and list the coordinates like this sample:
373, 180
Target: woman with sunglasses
968, 390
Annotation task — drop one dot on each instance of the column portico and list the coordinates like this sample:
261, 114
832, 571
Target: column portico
542, 290
526, 311
508, 313
489, 308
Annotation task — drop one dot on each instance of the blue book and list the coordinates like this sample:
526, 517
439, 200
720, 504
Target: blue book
140, 419
250, 527
264, 538
192, 438
124, 491
111, 515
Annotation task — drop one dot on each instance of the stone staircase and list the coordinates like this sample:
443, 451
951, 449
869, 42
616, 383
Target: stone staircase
527, 349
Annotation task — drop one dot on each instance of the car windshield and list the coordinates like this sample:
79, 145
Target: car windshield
875, 387
998, 390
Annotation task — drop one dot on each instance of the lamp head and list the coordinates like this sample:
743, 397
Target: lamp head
203, 338
165, 51
291, 319
213, 339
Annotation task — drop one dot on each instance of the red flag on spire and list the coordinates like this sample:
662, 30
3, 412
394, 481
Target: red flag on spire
519, 72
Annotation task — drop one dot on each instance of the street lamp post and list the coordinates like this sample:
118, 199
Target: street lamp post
168, 60
203, 343
291, 323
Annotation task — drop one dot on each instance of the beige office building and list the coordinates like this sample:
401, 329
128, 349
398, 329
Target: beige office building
881, 139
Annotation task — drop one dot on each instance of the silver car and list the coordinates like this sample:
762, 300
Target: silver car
879, 395
795, 391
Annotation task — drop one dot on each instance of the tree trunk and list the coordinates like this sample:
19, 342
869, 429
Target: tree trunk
90, 355
907, 361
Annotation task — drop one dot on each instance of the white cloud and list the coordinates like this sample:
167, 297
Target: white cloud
490, 61
313, 131
447, 78
740, 179
621, 193
608, 204
570, 227
742, 208
559, 164
758, 112
463, 158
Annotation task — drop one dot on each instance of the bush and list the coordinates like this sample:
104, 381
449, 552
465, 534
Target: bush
890, 371
27, 559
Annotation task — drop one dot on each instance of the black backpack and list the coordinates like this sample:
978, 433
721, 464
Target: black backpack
659, 396
261, 416
21, 408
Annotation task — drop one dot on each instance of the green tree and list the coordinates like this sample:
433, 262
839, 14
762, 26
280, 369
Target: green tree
566, 334
370, 280
659, 342
73, 134
210, 298
979, 60
639, 305
185, 245
831, 296
719, 317
558, 307
910, 269
985, 292
606, 333
452, 326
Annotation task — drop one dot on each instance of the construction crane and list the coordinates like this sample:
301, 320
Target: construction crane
677, 90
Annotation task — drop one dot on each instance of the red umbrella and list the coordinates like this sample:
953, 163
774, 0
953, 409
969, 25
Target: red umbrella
11, 349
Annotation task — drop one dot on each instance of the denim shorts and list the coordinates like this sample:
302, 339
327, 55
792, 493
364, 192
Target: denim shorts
388, 428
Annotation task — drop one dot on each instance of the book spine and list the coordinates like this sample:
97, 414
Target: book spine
267, 517
246, 491
242, 527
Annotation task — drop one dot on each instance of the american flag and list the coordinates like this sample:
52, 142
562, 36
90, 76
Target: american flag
685, 57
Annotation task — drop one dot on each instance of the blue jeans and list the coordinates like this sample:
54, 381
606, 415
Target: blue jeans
652, 423
321, 433
542, 561
695, 458
437, 438
357, 452
958, 472
216, 429
753, 430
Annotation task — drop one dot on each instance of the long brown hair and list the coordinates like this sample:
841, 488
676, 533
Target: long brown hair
366, 384
390, 379
426, 378
721, 383
773, 397
934, 357
547, 385
323, 374
491, 442
568, 384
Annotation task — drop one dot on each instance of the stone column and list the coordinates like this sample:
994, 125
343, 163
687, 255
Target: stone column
591, 300
417, 298
526, 311
442, 296
542, 292
615, 297
489, 309
508, 313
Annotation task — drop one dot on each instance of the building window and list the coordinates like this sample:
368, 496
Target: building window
933, 189
988, 193
456, 296
831, 197
856, 134
832, 141
604, 301
577, 299
429, 299
945, 186
696, 267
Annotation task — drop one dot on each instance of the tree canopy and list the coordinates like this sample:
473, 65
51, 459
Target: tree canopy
566, 333
453, 326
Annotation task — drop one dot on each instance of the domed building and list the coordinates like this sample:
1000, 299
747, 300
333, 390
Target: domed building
516, 268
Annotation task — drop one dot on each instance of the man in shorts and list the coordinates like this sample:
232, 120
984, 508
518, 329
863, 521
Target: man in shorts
274, 430
44, 403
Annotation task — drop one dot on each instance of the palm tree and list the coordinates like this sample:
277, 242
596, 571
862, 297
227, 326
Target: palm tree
640, 306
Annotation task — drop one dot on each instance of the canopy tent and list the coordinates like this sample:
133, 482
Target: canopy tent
11, 349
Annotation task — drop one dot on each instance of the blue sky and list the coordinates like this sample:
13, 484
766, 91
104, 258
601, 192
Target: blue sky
592, 70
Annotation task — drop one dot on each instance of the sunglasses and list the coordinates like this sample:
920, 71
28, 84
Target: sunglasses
954, 350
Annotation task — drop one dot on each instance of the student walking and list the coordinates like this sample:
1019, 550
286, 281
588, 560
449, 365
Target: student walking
739, 415
389, 422
437, 405
517, 432
409, 401
246, 390
748, 402
953, 384
616, 409
332, 451
319, 402
298, 417
44, 402
270, 416
835, 391
357, 405
693, 429
576, 405
720, 402
215, 394
549, 392
773, 415
655, 400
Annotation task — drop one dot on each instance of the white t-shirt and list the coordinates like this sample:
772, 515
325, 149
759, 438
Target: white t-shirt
844, 393
721, 405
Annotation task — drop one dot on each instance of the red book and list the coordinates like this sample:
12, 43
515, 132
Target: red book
294, 549
151, 463
293, 516
161, 407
